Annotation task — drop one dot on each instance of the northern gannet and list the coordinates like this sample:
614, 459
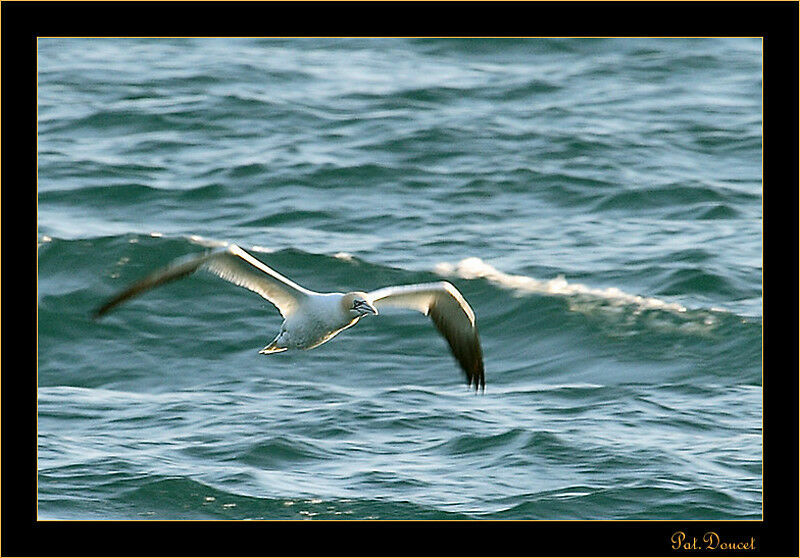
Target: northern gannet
312, 318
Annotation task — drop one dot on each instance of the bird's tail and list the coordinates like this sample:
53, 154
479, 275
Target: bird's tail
272, 348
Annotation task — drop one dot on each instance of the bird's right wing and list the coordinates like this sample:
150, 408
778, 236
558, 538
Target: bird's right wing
451, 315
232, 264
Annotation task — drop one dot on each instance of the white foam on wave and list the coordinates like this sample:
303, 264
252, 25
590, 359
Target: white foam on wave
472, 268
214, 243
206, 242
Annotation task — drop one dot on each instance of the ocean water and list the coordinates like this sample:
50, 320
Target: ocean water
598, 203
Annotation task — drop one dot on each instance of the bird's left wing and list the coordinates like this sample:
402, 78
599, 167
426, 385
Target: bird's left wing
451, 314
232, 264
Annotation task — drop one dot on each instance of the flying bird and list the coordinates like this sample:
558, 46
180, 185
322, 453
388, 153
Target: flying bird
312, 318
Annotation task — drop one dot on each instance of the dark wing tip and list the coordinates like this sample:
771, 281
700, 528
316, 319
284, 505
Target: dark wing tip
470, 358
117, 299
466, 350
475, 375
98, 312
178, 269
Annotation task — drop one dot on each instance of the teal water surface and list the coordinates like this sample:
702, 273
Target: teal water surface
598, 203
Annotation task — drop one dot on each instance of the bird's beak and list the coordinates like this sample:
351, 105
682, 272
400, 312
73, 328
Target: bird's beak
369, 309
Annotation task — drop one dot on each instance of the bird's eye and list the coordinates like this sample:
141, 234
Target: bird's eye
357, 303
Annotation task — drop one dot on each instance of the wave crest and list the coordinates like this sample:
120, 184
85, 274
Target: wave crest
472, 268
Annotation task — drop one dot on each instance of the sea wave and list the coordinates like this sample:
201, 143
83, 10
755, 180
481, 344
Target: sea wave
471, 268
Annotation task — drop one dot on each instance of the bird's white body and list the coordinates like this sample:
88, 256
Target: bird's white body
318, 318
312, 318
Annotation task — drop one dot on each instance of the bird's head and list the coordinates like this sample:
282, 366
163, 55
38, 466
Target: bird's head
357, 304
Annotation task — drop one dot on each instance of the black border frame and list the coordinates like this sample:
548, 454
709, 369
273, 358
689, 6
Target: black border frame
22, 22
